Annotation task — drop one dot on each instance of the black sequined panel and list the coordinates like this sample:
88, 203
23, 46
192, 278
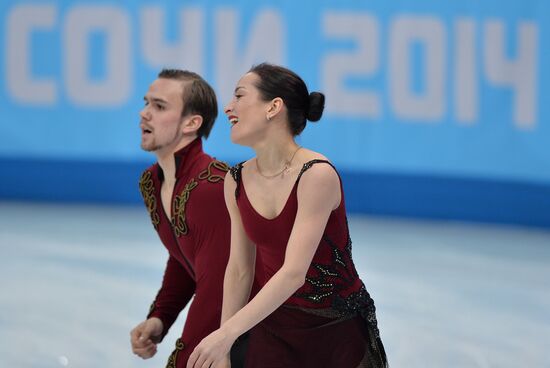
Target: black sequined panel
333, 281
325, 280
236, 174
359, 302
310, 163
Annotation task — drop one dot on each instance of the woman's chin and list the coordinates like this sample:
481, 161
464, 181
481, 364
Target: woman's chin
237, 139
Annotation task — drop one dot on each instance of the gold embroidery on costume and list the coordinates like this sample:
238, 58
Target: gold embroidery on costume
147, 189
172, 359
178, 221
180, 201
208, 175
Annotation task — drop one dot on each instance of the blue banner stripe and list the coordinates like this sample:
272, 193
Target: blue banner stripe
429, 197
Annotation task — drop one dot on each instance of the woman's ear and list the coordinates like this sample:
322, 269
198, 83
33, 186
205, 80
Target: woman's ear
274, 108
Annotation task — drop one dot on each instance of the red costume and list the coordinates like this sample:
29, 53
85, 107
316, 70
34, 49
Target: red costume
197, 237
330, 321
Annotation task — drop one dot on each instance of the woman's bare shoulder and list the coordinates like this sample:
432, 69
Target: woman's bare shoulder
308, 155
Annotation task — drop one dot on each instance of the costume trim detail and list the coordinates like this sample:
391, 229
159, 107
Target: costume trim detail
207, 174
172, 359
178, 221
180, 201
147, 188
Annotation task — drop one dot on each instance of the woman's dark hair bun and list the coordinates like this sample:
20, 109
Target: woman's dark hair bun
316, 106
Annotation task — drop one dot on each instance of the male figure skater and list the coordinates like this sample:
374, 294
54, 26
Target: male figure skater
183, 193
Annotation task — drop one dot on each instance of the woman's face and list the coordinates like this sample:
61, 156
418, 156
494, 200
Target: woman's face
247, 112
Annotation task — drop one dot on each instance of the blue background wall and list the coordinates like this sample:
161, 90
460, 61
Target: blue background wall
435, 110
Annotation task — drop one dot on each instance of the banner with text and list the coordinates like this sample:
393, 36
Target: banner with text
455, 88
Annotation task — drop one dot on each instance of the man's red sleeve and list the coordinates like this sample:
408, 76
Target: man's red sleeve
176, 291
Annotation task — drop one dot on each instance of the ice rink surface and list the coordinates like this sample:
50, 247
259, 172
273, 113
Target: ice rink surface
76, 279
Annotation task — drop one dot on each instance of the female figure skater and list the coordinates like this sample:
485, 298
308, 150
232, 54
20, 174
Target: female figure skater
288, 213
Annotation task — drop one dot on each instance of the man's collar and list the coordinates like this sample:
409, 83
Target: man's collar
184, 158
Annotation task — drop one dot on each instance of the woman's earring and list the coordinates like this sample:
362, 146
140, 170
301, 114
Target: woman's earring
268, 117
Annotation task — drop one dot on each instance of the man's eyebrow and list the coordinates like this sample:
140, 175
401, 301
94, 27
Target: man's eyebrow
155, 99
238, 88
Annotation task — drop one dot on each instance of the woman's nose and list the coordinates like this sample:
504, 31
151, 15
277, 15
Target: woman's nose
227, 109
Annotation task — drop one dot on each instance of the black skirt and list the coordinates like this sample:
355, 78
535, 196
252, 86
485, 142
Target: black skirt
302, 338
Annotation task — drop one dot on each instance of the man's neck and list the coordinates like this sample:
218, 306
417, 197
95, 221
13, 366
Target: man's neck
167, 161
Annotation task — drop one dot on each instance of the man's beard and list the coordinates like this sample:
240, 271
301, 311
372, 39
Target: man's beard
156, 147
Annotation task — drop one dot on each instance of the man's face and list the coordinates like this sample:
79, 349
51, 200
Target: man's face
161, 116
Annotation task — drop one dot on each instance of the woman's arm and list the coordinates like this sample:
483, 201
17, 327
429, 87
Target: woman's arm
239, 272
318, 196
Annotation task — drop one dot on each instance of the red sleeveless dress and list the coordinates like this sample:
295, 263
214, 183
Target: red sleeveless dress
330, 321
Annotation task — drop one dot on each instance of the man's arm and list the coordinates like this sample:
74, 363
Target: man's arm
176, 291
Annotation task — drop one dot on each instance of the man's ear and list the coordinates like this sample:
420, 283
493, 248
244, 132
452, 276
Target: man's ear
191, 124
